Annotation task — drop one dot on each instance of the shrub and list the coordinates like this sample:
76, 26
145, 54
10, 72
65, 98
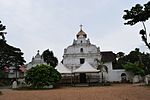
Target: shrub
42, 76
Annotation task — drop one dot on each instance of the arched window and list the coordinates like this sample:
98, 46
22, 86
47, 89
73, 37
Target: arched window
81, 50
123, 74
123, 77
81, 41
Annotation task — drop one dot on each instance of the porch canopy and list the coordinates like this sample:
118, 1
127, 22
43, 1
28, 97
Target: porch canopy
62, 69
86, 68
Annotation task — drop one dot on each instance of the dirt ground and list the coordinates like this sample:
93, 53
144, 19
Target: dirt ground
114, 92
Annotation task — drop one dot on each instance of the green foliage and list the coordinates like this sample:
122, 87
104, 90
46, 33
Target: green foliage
103, 68
2, 28
9, 56
121, 59
2, 74
146, 62
49, 58
42, 75
133, 58
134, 68
118, 63
139, 14
120, 54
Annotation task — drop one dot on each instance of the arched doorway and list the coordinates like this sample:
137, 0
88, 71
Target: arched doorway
123, 77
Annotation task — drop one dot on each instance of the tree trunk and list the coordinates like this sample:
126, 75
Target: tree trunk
102, 78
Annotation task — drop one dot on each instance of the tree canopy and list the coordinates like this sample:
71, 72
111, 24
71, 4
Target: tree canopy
134, 68
42, 75
136, 14
9, 56
135, 61
2, 28
49, 58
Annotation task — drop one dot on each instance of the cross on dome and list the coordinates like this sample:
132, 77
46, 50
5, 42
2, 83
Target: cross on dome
38, 51
81, 33
81, 27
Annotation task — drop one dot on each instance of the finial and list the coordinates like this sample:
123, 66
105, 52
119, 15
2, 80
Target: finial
81, 27
38, 51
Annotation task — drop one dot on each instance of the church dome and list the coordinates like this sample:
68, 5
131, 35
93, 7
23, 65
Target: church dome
38, 58
81, 33
38, 55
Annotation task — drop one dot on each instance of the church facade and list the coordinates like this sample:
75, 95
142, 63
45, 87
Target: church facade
82, 55
80, 51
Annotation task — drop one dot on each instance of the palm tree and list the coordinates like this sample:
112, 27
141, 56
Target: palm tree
103, 68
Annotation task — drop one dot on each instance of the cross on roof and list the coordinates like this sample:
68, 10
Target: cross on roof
81, 27
38, 51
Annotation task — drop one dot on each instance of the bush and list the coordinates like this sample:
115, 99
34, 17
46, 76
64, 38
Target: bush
5, 82
42, 76
2, 74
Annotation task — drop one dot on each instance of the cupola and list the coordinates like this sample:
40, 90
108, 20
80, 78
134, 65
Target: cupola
81, 33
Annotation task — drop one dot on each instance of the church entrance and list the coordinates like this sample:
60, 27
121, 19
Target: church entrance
82, 77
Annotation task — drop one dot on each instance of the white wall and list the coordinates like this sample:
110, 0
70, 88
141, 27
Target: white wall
12, 74
115, 74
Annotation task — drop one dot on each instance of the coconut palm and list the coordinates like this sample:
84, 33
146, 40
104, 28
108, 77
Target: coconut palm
103, 68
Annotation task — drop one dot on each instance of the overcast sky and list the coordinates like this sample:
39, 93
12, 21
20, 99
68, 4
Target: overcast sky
53, 24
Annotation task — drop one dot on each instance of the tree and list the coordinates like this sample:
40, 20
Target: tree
137, 14
136, 60
42, 75
145, 59
2, 28
103, 68
49, 58
2, 74
9, 56
135, 68
120, 55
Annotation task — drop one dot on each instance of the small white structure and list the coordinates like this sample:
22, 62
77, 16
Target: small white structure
147, 79
86, 68
62, 69
136, 78
14, 85
37, 60
13, 73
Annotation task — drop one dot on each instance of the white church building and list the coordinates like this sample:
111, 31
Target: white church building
79, 59
80, 62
